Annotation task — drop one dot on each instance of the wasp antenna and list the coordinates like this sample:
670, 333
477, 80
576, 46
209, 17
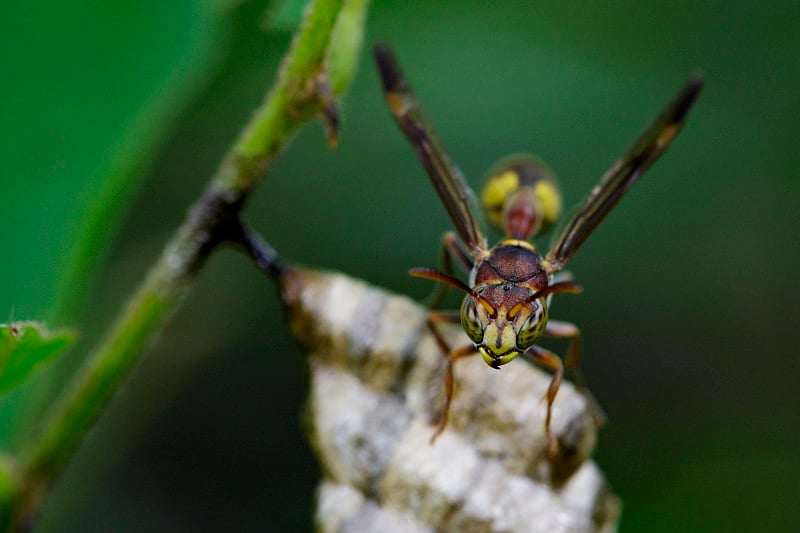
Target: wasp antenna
568, 287
435, 275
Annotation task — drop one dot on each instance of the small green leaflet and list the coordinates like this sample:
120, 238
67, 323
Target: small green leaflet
26, 345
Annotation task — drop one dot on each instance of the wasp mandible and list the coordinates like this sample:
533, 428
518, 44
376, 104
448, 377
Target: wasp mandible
505, 310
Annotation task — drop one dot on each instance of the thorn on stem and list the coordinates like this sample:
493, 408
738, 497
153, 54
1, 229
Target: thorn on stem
329, 112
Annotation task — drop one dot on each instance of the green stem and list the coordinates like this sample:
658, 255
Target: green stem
347, 36
292, 101
78, 407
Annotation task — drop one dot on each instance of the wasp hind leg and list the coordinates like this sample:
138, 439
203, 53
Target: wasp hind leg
558, 329
452, 356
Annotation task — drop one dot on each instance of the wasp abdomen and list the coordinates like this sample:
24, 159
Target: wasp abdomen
521, 197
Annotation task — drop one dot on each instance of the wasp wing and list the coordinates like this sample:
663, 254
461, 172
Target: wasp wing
457, 197
623, 174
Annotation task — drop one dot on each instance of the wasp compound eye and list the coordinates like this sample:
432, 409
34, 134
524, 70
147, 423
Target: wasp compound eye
533, 327
471, 321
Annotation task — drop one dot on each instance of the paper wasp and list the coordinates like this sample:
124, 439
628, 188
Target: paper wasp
505, 310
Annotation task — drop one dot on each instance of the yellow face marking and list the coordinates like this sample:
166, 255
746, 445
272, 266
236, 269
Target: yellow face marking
487, 306
516, 309
499, 340
489, 359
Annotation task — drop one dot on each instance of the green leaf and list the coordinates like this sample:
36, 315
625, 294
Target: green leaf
97, 89
26, 345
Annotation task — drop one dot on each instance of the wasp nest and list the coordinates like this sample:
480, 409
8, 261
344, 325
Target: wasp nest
376, 386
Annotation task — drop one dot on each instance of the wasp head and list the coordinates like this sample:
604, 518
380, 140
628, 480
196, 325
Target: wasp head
503, 320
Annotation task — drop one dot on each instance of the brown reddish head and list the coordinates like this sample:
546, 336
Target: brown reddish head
503, 320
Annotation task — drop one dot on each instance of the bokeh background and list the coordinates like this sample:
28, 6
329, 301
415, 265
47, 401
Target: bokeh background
690, 312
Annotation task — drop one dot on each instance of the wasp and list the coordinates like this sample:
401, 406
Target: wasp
505, 311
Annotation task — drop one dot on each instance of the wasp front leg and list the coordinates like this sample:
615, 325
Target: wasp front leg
452, 356
450, 251
552, 362
558, 329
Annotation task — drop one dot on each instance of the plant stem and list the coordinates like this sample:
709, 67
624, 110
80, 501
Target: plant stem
292, 101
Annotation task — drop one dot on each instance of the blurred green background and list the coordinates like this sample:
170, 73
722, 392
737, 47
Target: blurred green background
690, 307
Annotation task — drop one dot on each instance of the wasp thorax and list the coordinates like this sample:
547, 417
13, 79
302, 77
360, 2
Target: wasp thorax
521, 197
